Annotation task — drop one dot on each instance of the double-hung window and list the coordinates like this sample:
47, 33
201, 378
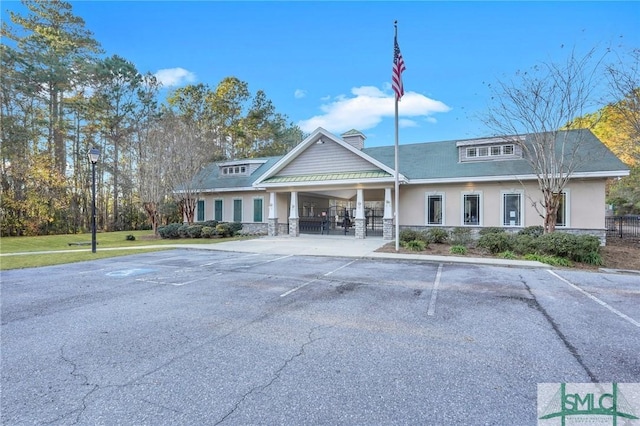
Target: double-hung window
257, 210
562, 218
200, 210
512, 208
237, 210
472, 209
217, 210
435, 209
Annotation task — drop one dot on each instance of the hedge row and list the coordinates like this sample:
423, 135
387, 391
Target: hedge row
578, 248
208, 229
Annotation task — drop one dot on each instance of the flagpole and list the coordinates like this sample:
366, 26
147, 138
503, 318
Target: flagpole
397, 186
397, 180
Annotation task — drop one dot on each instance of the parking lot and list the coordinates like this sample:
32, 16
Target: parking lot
214, 337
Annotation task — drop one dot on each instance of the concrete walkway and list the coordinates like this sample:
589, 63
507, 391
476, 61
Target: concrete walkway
319, 245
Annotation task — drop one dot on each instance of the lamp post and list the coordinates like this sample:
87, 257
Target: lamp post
93, 155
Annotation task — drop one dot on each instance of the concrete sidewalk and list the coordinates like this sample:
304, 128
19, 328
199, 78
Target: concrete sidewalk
345, 246
319, 245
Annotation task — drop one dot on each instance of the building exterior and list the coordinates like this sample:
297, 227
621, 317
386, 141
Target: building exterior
331, 184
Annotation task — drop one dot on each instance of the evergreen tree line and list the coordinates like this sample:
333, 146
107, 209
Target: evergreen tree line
60, 96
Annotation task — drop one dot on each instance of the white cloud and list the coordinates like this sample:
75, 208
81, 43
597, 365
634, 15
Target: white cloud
173, 77
367, 106
299, 93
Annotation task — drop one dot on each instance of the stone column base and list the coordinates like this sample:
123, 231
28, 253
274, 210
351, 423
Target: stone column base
294, 229
272, 227
387, 229
359, 229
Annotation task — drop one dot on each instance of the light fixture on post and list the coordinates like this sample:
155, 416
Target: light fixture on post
93, 155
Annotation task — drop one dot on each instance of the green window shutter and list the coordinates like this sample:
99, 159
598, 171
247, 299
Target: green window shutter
237, 210
217, 210
200, 211
257, 209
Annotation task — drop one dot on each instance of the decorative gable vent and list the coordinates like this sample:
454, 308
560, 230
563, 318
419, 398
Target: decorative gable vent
354, 138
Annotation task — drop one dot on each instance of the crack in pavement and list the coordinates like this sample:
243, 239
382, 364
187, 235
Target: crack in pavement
565, 341
276, 374
84, 382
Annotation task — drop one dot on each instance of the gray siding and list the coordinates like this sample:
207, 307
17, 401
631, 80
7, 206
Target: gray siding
328, 157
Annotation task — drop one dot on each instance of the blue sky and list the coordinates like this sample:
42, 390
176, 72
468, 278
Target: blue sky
329, 63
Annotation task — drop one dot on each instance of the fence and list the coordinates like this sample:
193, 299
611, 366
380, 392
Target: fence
623, 226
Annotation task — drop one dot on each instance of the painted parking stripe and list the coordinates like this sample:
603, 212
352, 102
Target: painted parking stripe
595, 299
314, 280
265, 261
434, 292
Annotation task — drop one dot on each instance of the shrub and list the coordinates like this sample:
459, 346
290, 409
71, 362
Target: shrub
208, 231
415, 245
194, 231
587, 250
525, 244
496, 242
170, 231
460, 236
438, 235
557, 244
209, 223
130, 237
533, 231
183, 231
407, 235
458, 250
491, 230
235, 227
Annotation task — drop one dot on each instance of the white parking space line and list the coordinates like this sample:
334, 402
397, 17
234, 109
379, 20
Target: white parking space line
595, 299
337, 269
314, 280
434, 292
266, 261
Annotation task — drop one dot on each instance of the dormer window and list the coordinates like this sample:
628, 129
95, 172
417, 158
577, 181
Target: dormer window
239, 170
487, 150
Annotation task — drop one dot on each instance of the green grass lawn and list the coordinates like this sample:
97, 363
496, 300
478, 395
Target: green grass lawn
81, 252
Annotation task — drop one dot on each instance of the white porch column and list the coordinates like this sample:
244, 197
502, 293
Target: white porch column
360, 230
294, 229
359, 204
272, 206
272, 220
387, 219
388, 208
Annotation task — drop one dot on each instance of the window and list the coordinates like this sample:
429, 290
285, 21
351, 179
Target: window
495, 150
471, 209
471, 152
511, 209
257, 209
507, 150
217, 210
237, 210
483, 151
200, 210
561, 218
435, 208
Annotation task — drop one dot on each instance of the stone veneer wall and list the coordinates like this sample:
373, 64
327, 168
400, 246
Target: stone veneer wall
254, 229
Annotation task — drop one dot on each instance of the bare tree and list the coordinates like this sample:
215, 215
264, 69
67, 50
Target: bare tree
185, 156
624, 83
539, 104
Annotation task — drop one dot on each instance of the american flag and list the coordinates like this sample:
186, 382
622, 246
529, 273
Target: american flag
398, 68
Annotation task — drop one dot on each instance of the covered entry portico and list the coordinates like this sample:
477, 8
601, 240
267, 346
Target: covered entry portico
327, 179
358, 212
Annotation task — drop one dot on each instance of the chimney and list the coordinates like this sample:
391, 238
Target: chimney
354, 138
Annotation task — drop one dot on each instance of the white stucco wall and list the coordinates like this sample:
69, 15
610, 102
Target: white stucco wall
586, 203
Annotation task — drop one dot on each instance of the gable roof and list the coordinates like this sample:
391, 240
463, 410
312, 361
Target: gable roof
431, 162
